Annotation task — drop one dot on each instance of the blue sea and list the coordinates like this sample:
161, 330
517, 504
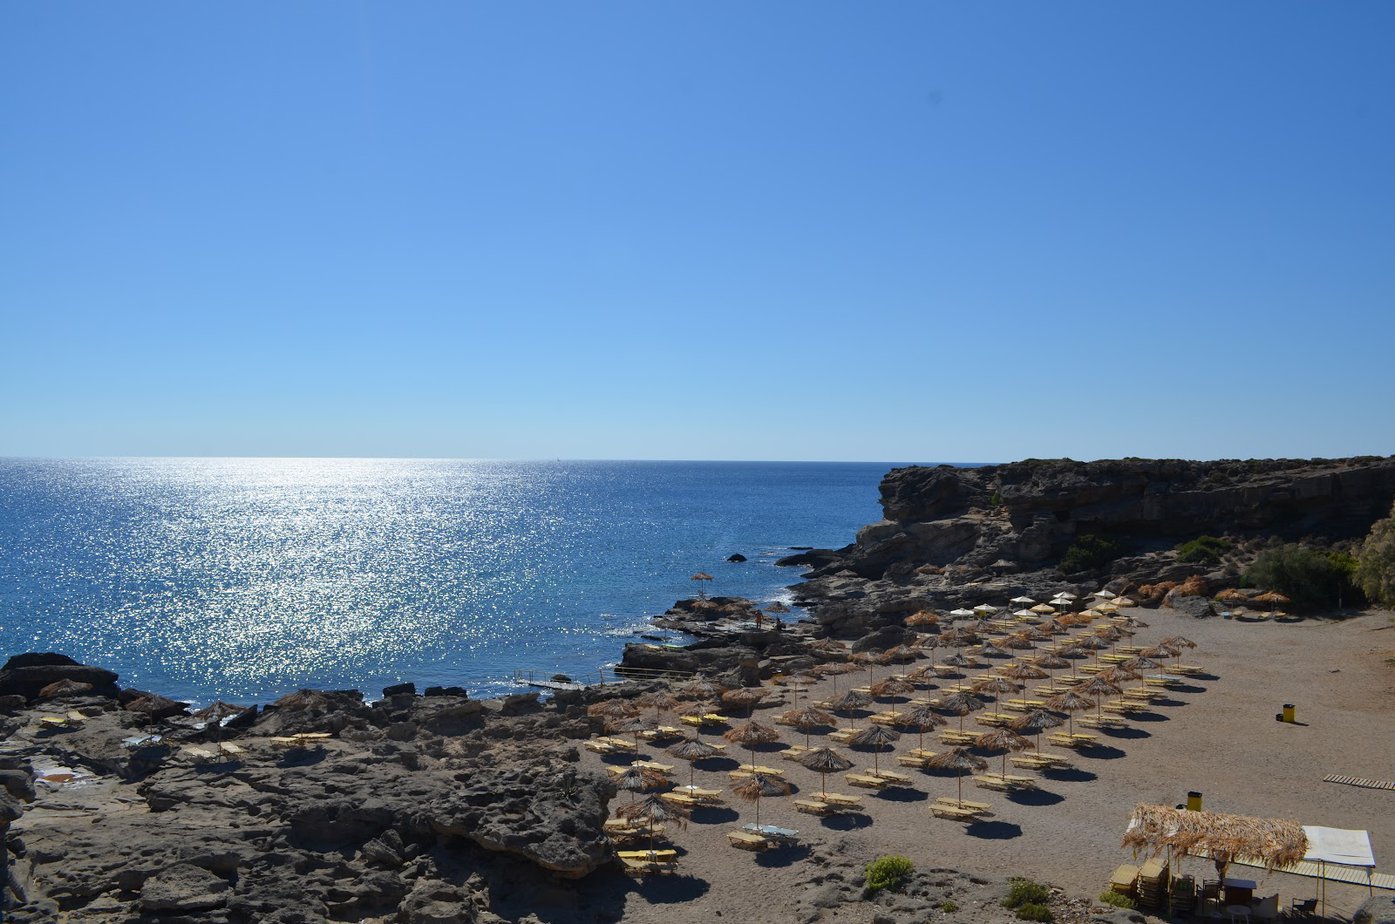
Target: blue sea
249, 578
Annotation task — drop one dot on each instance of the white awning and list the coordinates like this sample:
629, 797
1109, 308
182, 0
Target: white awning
1339, 845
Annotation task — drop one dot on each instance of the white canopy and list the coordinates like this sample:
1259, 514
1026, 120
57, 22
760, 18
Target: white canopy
1022, 600
1339, 845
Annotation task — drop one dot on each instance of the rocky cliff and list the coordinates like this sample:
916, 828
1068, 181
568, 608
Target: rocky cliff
950, 533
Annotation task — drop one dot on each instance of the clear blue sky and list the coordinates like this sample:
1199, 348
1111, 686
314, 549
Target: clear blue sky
793, 230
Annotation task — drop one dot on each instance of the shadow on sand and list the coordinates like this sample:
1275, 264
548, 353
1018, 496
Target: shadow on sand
1035, 797
782, 856
994, 830
846, 821
1128, 732
1070, 775
1101, 752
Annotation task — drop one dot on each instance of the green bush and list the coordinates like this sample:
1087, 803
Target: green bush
1034, 911
1025, 892
1088, 553
1375, 563
1311, 578
888, 872
1203, 550
1117, 899
949, 906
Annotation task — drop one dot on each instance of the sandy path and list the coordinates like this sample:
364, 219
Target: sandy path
1219, 738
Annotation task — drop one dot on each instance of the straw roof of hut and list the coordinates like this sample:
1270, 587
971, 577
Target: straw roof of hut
654, 810
959, 703
760, 786
957, 759
693, 749
807, 717
743, 696
1273, 842
850, 699
824, 760
874, 736
921, 716
1001, 739
892, 686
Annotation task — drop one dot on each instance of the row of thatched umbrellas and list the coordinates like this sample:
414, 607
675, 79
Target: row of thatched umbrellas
920, 718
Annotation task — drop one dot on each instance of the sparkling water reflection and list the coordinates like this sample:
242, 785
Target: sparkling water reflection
252, 577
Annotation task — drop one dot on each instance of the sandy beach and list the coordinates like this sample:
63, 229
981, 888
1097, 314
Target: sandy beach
1218, 736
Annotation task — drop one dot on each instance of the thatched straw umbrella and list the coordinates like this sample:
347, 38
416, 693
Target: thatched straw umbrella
702, 577
826, 647
750, 734
1004, 740
888, 687
640, 779
1036, 721
1232, 595
610, 710
1072, 654
701, 688
744, 697
759, 786
958, 637
835, 670
875, 737
899, 654
692, 750
1097, 687
922, 718
1025, 672
923, 675
928, 643
1018, 641
1043, 609
653, 809
699, 709
1271, 598
1051, 662
958, 663
960, 704
990, 650
659, 701
1180, 643
960, 761
806, 719
849, 701
216, 711
1274, 842
997, 686
1069, 702
1093, 643
923, 618
824, 761
1139, 666
631, 726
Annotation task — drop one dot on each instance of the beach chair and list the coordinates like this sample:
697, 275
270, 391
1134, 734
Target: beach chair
641, 867
953, 812
864, 781
1303, 909
815, 807
840, 800
891, 776
1123, 878
745, 840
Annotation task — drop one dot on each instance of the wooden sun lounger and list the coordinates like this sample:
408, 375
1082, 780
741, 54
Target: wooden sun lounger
698, 721
55, 721
912, 760
200, 755
1004, 782
886, 718
745, 840
996, 719
1184, 670
658, 856
637, 867
864, 781
839, 799
1077, 740
1108, 721
891, 776
1122, 708
600, 747
954, 738
742, 773
228, 747
681, 799
1038, 761
794, 752
953, 812
842, 735
950, 800
814, 807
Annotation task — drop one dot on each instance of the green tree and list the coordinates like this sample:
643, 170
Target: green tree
1313, 579
1375, 563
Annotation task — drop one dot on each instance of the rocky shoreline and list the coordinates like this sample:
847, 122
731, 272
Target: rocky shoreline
120, 805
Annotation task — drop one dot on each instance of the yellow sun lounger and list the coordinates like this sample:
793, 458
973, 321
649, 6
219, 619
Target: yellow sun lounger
745, 840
